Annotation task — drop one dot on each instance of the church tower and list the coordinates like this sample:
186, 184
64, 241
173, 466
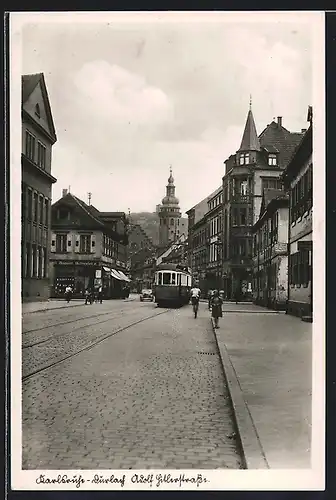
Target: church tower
169, 215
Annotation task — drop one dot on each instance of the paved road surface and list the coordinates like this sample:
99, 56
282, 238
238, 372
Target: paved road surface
149, 396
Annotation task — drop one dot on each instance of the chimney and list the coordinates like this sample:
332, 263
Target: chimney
279, 121
64, 192
303, 130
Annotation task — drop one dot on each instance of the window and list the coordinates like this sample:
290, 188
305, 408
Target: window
300, 268
271, 183
33, 261
41, 210
243, 188
43, 262
23, 201
244, 159
30, 146
301, 195
234, 217
38, 254
85, 243
272, 159
166, 279
46, 212
61, 243
41, 155
35, 206
37, 111
173, 278
243, 212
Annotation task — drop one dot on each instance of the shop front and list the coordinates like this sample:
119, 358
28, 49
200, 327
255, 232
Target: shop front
80, 275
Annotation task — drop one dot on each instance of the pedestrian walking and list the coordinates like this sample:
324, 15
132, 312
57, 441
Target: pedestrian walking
68, 293
88, 296
195, 294
100, 295
216, 307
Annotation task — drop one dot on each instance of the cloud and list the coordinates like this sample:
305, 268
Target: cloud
128, 101
115, 94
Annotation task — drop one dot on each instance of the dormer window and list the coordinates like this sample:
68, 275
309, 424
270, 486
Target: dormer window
272, 160
37, 111
244, 159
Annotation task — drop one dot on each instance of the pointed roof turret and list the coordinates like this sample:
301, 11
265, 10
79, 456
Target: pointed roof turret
250, 141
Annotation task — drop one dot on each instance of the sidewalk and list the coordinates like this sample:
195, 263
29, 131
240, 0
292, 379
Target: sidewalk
47, 305
267, 359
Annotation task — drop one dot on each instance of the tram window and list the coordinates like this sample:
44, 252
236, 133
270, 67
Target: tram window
159, 278
173, 278
166, 278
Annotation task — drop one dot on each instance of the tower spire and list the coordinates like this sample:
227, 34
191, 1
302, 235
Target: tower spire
250, 140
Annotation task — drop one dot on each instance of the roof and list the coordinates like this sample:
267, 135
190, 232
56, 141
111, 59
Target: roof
91, 212
271, 199
28, 84
250, 140
278, 137
299, 155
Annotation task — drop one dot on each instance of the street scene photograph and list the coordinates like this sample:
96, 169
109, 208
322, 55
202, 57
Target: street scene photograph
165, 164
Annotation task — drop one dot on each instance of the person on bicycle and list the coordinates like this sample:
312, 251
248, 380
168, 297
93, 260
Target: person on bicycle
195, 294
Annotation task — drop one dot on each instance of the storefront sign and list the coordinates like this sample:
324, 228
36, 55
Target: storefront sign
280, 248
76, 263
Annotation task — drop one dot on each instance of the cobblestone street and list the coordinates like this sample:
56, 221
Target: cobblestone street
149, 396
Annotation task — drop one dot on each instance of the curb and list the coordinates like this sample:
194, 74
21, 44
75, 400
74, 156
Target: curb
63, 307
253, 453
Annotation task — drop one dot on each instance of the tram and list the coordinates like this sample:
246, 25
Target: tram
172, 285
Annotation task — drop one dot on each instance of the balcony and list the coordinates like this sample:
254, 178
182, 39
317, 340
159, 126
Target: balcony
239, 198
240, 231
241, 261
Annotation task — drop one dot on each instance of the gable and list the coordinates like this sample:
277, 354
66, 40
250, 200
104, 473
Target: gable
34, 93
79, 216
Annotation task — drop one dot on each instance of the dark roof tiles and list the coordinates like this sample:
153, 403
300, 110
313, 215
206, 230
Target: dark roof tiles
250, 140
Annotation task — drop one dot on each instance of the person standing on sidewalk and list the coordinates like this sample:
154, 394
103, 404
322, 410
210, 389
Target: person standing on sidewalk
216, 307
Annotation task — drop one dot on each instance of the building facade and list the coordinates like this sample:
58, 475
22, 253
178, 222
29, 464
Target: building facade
214, 217
257, 165
169, 215
270, 252
298, 180
38, 137
88, 248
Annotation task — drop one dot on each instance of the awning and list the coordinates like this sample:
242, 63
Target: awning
116, 275
107, 269
123, 276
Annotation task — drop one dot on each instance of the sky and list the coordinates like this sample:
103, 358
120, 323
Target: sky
131, 97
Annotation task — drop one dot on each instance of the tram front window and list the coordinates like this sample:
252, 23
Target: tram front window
159, 279
166, 278
173, 278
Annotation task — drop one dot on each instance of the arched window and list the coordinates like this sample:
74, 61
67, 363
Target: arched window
37, 111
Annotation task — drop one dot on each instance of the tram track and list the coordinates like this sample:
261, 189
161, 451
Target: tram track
62, 334
88, 346
67, 322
